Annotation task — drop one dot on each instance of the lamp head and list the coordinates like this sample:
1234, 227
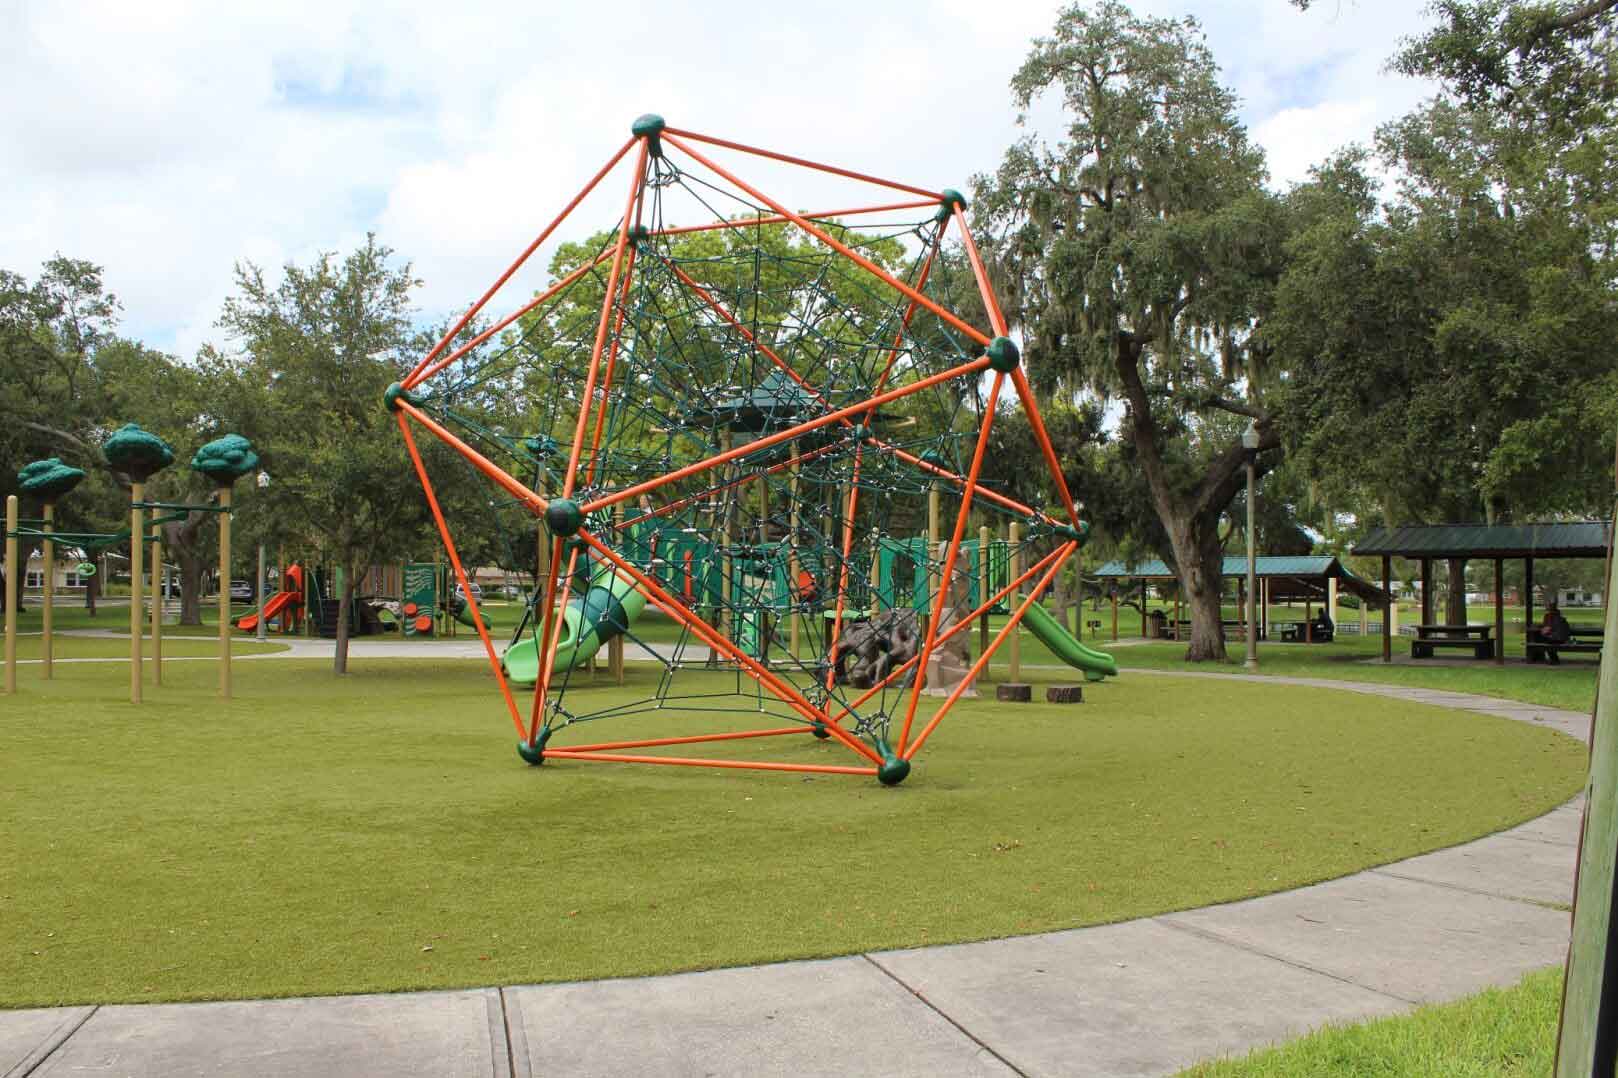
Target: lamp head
1250, 437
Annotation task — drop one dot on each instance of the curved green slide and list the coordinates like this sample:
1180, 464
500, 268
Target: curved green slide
609, 606
1095, 664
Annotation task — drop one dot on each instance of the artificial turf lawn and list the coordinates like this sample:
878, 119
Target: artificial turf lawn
1499, 1033
322, 835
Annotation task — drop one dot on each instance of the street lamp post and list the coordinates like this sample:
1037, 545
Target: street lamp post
1250, 443
263, 484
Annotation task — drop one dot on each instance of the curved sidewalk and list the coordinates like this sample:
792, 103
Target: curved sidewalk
1144, 997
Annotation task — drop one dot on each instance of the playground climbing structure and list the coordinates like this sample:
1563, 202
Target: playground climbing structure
769, 426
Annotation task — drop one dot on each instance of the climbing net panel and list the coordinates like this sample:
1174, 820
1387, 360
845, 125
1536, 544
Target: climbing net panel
767, 426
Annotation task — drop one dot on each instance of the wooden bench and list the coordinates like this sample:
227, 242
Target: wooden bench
1474, 637
1586, 640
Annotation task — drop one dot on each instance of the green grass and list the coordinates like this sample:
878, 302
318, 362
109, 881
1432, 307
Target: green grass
1499, 1033
377, 832
97, 647
1570, 685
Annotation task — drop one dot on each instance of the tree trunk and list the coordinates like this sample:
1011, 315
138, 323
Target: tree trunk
1455, 602
182, 540
92, 587
340, 663
1198, 560
191, 570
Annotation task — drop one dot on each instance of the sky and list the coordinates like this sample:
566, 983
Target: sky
167, 141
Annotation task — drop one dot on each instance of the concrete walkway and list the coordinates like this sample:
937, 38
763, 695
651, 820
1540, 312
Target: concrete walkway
1144, 997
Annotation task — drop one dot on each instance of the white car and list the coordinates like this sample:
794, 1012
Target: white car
241, 590
477, 591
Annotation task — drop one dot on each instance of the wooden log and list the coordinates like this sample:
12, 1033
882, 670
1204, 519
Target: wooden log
1064, 694
1014, 692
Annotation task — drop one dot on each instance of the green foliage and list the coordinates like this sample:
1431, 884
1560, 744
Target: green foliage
137, 453
49, 479
226, 459
1137, 254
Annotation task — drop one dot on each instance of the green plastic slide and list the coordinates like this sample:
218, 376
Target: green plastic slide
1095, 664
610, 606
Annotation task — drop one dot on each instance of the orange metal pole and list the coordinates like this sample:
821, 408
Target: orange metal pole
988, 653
547, 294
612, 365
483, 464
587, 398
846, 251
948, 576
1026, 393
990, 304
460, 573
936, 196
551, 633
851, 505
652, 742
412, 379
783, 436
777, 219
680, 761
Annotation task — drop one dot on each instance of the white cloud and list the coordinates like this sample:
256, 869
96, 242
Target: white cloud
169, 139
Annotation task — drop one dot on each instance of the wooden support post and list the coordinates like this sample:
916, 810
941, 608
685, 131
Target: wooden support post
1115, 612
13, 593
1331, 600
224, 592
1427, 591
983, 588
47, 599
1387, 612
1528, 595
1144, 633
157, 607
137, 526
1499, 611
1308, 621
1014, 600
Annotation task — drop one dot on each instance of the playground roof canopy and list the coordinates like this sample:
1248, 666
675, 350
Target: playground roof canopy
1291, 577
1576, 539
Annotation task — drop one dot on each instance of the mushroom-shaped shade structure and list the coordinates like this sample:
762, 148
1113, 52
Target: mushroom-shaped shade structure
226, 459
138, 453
49, 479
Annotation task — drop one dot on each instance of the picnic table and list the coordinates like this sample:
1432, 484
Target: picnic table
1298, 632
1473, 637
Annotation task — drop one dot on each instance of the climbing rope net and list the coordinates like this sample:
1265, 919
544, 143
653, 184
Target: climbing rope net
768, 426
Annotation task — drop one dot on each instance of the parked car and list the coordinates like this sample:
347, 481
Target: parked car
477, 591
241, 590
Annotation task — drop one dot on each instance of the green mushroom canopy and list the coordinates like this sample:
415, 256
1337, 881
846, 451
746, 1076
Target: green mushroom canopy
225, 459
49, 479
138, 453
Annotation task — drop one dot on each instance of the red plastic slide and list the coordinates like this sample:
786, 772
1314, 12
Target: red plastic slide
278, 602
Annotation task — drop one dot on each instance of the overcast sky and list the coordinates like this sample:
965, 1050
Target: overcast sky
166, 140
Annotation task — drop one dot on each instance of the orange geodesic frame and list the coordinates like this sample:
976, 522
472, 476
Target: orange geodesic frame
1000, 356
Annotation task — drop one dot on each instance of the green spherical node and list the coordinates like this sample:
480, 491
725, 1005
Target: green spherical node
820, 731
1003, 355
531, 754
649, 124
892, 770
564, 517
639, 234
393, 395
952, 200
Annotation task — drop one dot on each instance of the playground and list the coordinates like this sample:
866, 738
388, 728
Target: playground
732, 602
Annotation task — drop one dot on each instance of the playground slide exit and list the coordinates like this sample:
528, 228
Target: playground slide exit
609, 606
1095, 664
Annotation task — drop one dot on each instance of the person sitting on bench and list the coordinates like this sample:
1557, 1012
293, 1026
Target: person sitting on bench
1553, 629
1321, 628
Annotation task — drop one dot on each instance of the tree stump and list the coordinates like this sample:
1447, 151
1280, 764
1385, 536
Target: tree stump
1064, 694
1014, 692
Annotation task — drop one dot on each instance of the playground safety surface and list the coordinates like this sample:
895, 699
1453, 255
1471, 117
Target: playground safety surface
1145, 997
